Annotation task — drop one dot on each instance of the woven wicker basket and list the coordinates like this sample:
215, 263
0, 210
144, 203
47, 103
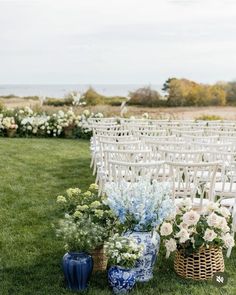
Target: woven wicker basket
200, 265
99, 259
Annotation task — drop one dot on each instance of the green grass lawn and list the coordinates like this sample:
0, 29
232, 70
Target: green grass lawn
32, 173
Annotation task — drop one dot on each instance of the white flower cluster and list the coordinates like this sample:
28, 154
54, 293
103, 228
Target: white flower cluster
29, 122
187, 226
123, 251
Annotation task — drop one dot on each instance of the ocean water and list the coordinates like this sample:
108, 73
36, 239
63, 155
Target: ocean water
60, 91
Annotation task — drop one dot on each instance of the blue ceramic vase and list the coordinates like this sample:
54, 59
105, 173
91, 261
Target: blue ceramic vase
77, 268
145, 264
122, 280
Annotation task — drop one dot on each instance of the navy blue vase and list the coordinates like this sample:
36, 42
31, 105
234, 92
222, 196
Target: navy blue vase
122, 280
77, 268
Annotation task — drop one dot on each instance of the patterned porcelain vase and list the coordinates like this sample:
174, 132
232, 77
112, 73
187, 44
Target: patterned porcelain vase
122, 280
144, 266
77, 268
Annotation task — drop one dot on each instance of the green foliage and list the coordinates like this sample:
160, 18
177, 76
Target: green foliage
9, 96
145, 97
33, 97
91, 97
86, 217
81, 234
57, 102
166, 85
115, 100
231, 93
209, 118
1, 107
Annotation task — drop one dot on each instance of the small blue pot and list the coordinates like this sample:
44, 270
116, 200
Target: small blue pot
77, 268
122, 280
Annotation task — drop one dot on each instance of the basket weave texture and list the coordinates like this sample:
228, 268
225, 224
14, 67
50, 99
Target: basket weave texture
99, 259
200, 265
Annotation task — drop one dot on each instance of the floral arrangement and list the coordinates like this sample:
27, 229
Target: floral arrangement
30, 123
80, 234
87, 208
8, 123
123, 251
189, 230
140, 206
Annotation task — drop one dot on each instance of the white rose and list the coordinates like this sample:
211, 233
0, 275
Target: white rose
213, 220
183, 235
212, 206
183, 225
209, 235
224, 212
170, 246
228, 240
185, 204
225, 229
191, 218
166, 229
172, 215
222, 223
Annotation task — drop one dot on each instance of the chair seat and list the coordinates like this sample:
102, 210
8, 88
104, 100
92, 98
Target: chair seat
219, 188
196, 201
228, 202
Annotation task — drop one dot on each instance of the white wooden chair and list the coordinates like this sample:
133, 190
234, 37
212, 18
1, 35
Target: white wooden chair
188, 178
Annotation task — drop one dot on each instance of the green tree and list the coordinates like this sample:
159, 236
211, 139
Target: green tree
230, 89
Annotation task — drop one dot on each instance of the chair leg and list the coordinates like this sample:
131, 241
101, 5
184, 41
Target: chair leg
92, 161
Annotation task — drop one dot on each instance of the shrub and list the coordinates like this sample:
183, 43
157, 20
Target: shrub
231, 93
146, 97
115, 101
1, 107
91, 97
9, 96
209, 118
34, 97
57, 102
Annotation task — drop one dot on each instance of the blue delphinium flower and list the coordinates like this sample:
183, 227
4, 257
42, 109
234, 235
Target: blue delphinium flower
148, 203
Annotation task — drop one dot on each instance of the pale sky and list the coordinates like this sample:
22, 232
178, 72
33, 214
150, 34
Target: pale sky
116, 41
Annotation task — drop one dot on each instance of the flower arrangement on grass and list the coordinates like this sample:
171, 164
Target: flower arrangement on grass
62, 123
123, 251
87, 208
188, 230
140, 206
80, 235
8, 123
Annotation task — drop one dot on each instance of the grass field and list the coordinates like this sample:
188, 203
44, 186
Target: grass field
32, 173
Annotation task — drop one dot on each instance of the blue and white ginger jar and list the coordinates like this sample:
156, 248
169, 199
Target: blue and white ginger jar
122, 280
145, 264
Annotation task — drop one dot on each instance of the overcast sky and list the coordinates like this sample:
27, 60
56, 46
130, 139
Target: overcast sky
116, 41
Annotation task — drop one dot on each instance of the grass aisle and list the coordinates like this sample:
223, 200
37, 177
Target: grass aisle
32, 173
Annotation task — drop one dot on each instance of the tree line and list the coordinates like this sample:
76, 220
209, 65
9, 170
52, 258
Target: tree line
184, 92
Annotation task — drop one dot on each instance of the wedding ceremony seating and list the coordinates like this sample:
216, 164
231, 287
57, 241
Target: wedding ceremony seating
197, 158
